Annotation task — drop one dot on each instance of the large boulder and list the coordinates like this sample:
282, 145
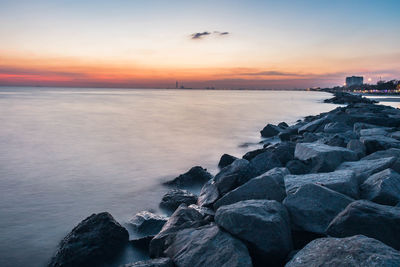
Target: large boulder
257, 166
358, 147
382, 187
365, 168
344, 182
374, 131
228, 178
374, 143
314, 125
208, 246
182, 218
208, 194
270, 130
323, 158
146, 223
160, 262
370, 219
263, 224
353, 251
391, 152
195, 176
226, 160
252, 154
284, 151
298, 167
93, 242
175, 197
312, 207
336, 127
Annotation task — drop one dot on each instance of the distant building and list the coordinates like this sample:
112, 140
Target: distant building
354, 80
176, 85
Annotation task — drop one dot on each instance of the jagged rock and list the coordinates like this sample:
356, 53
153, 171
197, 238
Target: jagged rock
391, 152
204, 211
346, 98
141, 243
358, 126
373, 131
257, 166
182, 218
382, 187
358, 147
352, 251
208, 246
252, 154
283, 125
289, 132
365, 168
195, 176
374, 143
263, 224
93, 242
314, 125
228, 178
343, 181
147, 223
297, 167
175, 197
208, 194
269, 185
309, 138
395, 135
336, 140
323, 158
283, 151
336, 127
370, 219
270, 130
160, 262
312, 207
226, 160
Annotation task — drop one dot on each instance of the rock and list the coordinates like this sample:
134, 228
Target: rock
289, 132
375, 143
195, 176
228, 178
141, 243
358, 126
308, 138
160, 262
204, 211
208, 246
358, 147
312, 207
252, 154
283, 151
297, 167
182, 218
208, 194
365, 168
343, 181
336, 127
373, 131
257, 166
336, 140
263, 224
395, 135
147, 224
391, 152
269, 185
352, 251
314, 125
346, 98
226, 160
323, 158
283, 125
370, 219
382, 187
93, 242
270, 130
175, 197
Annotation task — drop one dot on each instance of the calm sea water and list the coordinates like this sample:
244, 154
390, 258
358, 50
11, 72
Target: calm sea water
68, 153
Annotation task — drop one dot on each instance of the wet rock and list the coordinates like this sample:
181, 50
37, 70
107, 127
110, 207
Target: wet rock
204, 211
208, 246
336, 127
343, 181
283, 125
375, 143
395, 135
336, 140
382, 187
365, 168
182, 218
314, 125
226, 160
269, 185
373, 131
270, 130
175, 197
358, 126
346, 98
257, 166
297, 167
352, 251
289, 132
208, 194
195, 176
312, 207
283, 151
370, 219
147, 223
252, 154
323, 158
141, 243
309, 138
160, 262
228, 178
263, 224
391, 152
358, 147
93, 242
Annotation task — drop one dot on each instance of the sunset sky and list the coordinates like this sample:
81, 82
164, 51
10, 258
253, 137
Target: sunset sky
225, 44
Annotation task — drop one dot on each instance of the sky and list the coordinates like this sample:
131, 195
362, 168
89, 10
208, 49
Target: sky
223, 44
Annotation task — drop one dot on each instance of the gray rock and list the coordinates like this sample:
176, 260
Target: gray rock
160, 262
391, 152
358, 147
358, 126
175, 197
147, 223
395, 135
208, 194
297, 167
373, 131
343, 181
195, 176
228, 178
226, 160
336, 140
314, 125
252, 154
270, 130
257, 166
208, 246
374, 143
263, 224
204, 211
382, 187
284, 151
93, 242
370, 219
269, 185
353, 251
365, 168
323, 158
182, 218
336, 127
283, 125
312, 207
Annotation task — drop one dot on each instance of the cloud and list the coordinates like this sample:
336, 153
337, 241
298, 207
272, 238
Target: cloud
271, 73
200, 35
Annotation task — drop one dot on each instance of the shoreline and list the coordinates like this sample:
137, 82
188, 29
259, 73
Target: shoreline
334, 158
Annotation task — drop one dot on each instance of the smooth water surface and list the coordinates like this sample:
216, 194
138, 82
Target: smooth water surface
68, 153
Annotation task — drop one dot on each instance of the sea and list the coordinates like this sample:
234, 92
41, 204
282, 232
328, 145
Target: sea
66, 153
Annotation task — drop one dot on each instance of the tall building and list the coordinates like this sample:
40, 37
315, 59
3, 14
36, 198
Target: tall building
354, 80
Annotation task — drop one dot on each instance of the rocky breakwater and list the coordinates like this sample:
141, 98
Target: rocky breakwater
327, 194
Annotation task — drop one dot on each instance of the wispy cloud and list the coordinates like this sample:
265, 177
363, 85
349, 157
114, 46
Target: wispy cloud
200, 35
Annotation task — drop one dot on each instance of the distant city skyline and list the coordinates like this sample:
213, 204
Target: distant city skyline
221, 44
